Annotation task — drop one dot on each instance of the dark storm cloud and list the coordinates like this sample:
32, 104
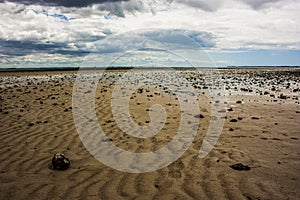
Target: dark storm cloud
168, 39
114, 7
22, 48
65, 3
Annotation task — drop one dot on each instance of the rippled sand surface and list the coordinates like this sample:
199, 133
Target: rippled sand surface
261, 130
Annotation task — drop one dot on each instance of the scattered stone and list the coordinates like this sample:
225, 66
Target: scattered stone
30, 124
251, 197
254, 117
60, 162
233, 120
239, 102
230, 109
199, 116
140, 90
240, 167
107, 140
282, 96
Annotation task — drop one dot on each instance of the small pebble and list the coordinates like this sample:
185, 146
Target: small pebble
240, 167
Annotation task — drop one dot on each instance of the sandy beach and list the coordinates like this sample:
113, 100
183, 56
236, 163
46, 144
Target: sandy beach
261, 131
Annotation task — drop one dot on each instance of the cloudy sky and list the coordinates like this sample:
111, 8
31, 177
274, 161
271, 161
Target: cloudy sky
149, 32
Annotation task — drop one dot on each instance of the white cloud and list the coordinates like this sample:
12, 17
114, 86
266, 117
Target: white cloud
232, 24
211, 5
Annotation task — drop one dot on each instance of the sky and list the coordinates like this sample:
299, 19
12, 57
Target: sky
47, 33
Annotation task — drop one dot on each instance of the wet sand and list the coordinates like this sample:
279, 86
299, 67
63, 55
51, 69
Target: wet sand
261, 130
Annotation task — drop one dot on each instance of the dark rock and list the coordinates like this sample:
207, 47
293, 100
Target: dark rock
60, 162
230, 109
231, 129
199, 116
238, 102
233, 120
87, 92
254, 117
240, 167
282, 96
140, 90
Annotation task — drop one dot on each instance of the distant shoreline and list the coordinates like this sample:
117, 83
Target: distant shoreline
128, 68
